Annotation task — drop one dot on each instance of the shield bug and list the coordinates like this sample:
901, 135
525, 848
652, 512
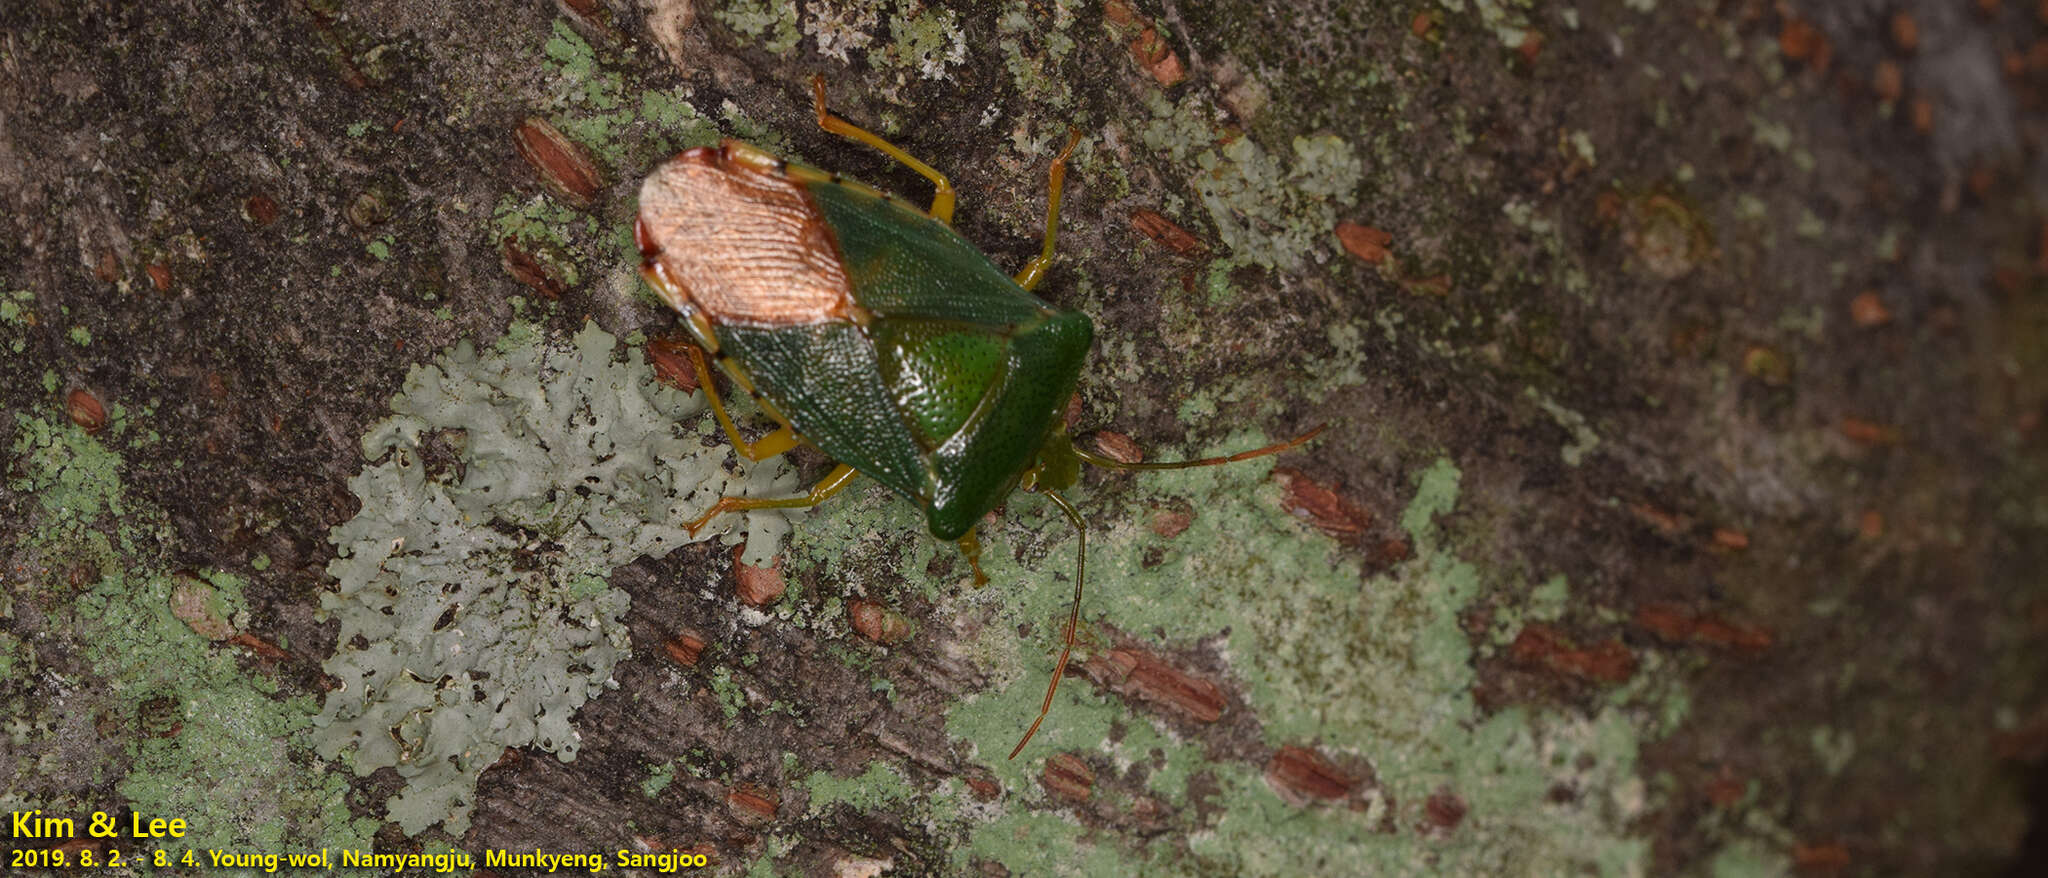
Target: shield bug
870, 330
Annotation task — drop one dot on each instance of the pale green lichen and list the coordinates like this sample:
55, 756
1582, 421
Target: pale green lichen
774, 22
882, 785
746, 128
254, 799
1547, 602
16, 659
1269, 209
677, 121
591, 103
1833, 747
1380, 670
1326, 167
922, 39
845, 28
1583, 438
1658, 693
1749, 860
589, 100
1034, 47
730, 695
14, 310
1582, 147
541, 227
658, 779
928, 42
474, 610
68, 473
1770, 133
1507, 20
1810, 224
1750, 208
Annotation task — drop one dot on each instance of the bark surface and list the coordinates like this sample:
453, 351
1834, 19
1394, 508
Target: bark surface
1683, 508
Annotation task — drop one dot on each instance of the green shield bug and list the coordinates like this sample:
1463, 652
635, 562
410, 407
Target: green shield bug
870, 330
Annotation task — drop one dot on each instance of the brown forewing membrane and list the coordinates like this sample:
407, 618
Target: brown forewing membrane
744, 246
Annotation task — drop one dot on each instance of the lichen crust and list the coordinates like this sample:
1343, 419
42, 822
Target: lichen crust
471, 588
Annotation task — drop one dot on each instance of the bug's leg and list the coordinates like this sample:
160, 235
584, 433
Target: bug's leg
971, 547
783, 439
1035, 269
942, 201
1073, 619
831, 484
1275, 448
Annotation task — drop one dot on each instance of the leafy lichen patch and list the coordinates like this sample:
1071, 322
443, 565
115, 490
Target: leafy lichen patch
593, 105
475, 614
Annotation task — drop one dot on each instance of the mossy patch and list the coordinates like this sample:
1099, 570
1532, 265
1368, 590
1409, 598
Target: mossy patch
773, 22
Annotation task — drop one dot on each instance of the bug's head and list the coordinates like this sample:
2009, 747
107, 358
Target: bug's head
1058, 465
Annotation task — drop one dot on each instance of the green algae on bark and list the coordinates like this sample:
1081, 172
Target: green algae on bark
165, 714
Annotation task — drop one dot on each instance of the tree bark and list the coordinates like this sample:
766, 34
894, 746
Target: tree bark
1680, 509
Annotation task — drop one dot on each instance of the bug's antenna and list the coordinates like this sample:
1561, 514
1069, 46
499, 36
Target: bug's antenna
1073, 618
1109, 463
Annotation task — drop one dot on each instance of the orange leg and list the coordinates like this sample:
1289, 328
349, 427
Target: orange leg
783, 439
833, 483
971, 547
942, 201
1035, 269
